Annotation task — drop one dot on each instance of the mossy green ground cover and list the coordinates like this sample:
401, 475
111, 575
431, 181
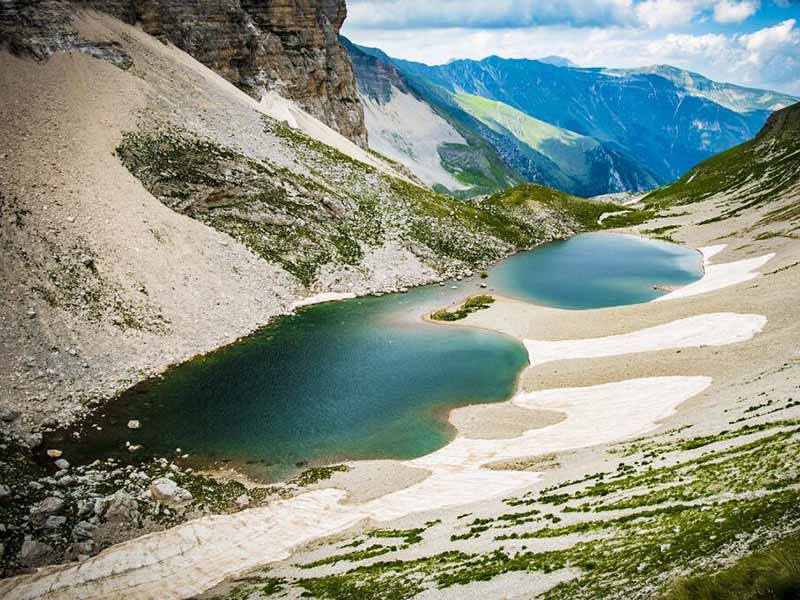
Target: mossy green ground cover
648, 525
771, 573
331, 209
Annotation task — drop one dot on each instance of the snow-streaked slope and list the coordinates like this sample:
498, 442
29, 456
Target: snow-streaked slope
407, 130
734, 97
281, 109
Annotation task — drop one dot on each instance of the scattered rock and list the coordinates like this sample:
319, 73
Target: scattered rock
49, 506
81, 549
83, 531
32, 551
168, 493
8, 415
121, 507
54, 522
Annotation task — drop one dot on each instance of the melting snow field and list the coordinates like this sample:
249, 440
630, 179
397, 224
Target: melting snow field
191, 558
716, 329
721, 275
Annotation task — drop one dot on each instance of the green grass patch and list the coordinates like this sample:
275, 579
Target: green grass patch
471, 305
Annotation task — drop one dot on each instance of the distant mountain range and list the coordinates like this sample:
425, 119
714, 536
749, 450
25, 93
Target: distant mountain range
474, 127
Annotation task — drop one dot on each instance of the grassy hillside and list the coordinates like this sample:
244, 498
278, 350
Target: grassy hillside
336, 213
584, 213
772, 573
565, 148
749, 175
553, 156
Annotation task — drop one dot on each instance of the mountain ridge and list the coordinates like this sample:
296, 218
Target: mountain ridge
653, 123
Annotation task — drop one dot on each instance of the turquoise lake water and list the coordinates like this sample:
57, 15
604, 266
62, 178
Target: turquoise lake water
367, 378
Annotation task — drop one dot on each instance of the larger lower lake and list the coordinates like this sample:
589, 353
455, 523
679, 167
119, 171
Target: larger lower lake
367, 378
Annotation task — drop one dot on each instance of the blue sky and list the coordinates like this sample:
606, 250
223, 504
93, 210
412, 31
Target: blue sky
750, 42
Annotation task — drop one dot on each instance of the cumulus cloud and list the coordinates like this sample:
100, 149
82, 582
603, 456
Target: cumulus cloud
425, 14
512, 14
734, 12
668, 13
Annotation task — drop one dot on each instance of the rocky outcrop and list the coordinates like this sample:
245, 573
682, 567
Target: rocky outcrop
290, 46
39, 28
374, 77
782, 125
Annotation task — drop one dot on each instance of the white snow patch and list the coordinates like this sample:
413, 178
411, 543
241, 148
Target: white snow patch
407, 130
320, 298
720, 276
715, 329
606, 215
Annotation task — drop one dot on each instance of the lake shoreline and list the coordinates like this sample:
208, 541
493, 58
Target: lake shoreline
516, 318
202, 461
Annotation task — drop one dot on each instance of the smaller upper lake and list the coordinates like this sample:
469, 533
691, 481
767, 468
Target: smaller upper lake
596, 270
366, 378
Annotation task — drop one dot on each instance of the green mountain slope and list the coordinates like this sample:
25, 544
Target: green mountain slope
485, 145
523, 200
665, 119
557, 157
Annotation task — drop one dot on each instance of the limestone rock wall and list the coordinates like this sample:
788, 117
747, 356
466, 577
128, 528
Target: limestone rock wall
290, 46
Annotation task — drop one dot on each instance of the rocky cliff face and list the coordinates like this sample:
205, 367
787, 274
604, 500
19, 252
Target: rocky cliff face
290, 46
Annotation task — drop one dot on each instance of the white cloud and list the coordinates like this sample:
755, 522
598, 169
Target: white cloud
660, 14
425, 14
511, 14
735, 12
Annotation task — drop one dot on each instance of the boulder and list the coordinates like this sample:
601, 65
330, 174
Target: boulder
167, 492
134, 424
62, 464
120, 507
54, 453
83, 531
5, 492
8, 415
32, 551
43, 510
54, 522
